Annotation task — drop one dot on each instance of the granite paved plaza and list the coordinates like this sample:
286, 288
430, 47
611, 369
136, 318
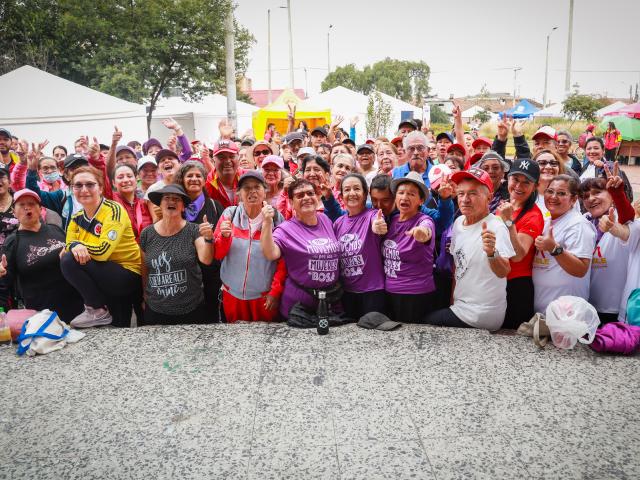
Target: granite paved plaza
266, 401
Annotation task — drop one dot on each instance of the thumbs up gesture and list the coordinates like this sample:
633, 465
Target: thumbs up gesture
3, 266
546, 242
420, 234
117, 135
267, 213
206, 229
226, 229
378, 225
488, 240
608, 221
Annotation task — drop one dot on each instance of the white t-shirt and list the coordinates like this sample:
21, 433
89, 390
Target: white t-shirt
545, 211
633, 268
589, 172
608, 273
576, 235
479, 298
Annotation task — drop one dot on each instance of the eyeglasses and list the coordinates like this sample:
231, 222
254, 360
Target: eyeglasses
89, 186
564, 142
416, 148
493, 168
560, 194
261, 152
551, 163
306, 193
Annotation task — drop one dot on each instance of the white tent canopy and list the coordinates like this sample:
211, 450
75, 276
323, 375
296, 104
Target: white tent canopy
199, 120
552, 111
347, 103
38, 105
615, 106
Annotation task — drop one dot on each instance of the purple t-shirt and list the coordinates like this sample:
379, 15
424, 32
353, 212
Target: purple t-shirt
408, 264
360, 258
311, 255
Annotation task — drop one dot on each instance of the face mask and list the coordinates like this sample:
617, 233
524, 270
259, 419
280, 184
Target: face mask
51, 177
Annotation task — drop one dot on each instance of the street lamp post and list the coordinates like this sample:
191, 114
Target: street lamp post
567, 75
329, 50
515, 77
269, 53
288, 7
546, 69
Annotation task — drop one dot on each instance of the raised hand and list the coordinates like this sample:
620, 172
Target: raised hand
505, 211
503, 129
614, 181
517, 127
607, 222
171, 124
226, 229
420, 234
325, 191
117, 136
546, 242
94, 150
41, 146
172, 143
287, 181
456, 111
337, 121
206, 229
379, 226
354, 120
268, 213
488, 240
225, 128
291, 115
445, 190
23, 150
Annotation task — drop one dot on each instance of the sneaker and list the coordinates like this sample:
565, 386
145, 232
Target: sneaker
92, 317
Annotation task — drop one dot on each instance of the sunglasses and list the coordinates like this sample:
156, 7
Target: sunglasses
89, 186
258, 153
306, 193
560, 194
551, 163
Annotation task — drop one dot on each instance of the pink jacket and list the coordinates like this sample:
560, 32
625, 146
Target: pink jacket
617, 337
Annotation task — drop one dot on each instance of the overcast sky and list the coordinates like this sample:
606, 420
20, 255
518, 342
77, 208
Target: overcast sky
465, 43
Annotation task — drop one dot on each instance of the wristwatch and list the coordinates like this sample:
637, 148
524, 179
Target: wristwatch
508, 223
556, 251
496, 254
208, 240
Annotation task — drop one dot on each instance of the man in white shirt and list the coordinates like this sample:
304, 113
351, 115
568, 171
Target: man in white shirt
481, 249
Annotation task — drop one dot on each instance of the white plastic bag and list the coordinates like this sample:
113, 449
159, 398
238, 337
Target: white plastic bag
44, 332
569, 319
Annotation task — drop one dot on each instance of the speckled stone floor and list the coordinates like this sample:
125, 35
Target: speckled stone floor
266, 401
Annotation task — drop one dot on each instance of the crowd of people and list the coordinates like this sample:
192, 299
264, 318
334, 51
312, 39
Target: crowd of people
440, 229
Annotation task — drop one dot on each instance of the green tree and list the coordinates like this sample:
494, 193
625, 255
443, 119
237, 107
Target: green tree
402, 79
378, 116
438, 115
584, 107
482, 116
133, 49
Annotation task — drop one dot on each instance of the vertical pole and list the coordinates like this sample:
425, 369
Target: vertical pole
290, 46
515, 73
546, 75
567, 75
230, 67
269, 53
328, 53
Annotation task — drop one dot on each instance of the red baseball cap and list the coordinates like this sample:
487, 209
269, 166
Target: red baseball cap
546, 131
476, 174
475, 158
457, 146
25, 192
370, 141
224, 146
397, 140
480, 141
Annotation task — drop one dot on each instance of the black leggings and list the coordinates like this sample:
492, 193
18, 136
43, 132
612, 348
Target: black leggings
519, 302
411, 308
445, 318
151, 317
358, 304
105, 283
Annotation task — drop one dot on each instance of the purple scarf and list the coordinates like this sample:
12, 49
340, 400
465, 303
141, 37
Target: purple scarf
193, 209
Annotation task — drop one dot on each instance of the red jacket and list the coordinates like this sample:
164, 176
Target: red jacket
216, 191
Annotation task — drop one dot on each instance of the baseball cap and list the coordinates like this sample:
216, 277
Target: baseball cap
349, 141
4, 170
526, 167
251, 174
408, 123
164, 153
413, 177
475, 158
4, 132
444, 135
492, 155
320, 130
125, 148
149, 143
273, 159
224, 146
25, 192
370, 141
365, 146
482, 141
306, 151
247, 142
75, 160
476, 174
293, 136
457, 146
546, 131
397, 140
377, 321
147, 159
437, 173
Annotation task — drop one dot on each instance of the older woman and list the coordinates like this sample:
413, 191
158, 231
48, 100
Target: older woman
324, 150
551, 165
562, 263
308, 245
343, 165
50, 176
252, 285
315, 170
408, 251
33, 261
594, 152
258, 152
361, 269
191, 176
601, 199
387, 157
272, 170
171, 249
337, 149
102, 259
497, 167
524, 221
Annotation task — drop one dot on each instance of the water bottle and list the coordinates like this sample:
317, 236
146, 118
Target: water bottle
323, 314
5, 331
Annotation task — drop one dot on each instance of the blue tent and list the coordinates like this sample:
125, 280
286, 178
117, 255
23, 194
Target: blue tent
522, 110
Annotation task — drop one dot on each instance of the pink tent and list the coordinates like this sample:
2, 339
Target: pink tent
632, 110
